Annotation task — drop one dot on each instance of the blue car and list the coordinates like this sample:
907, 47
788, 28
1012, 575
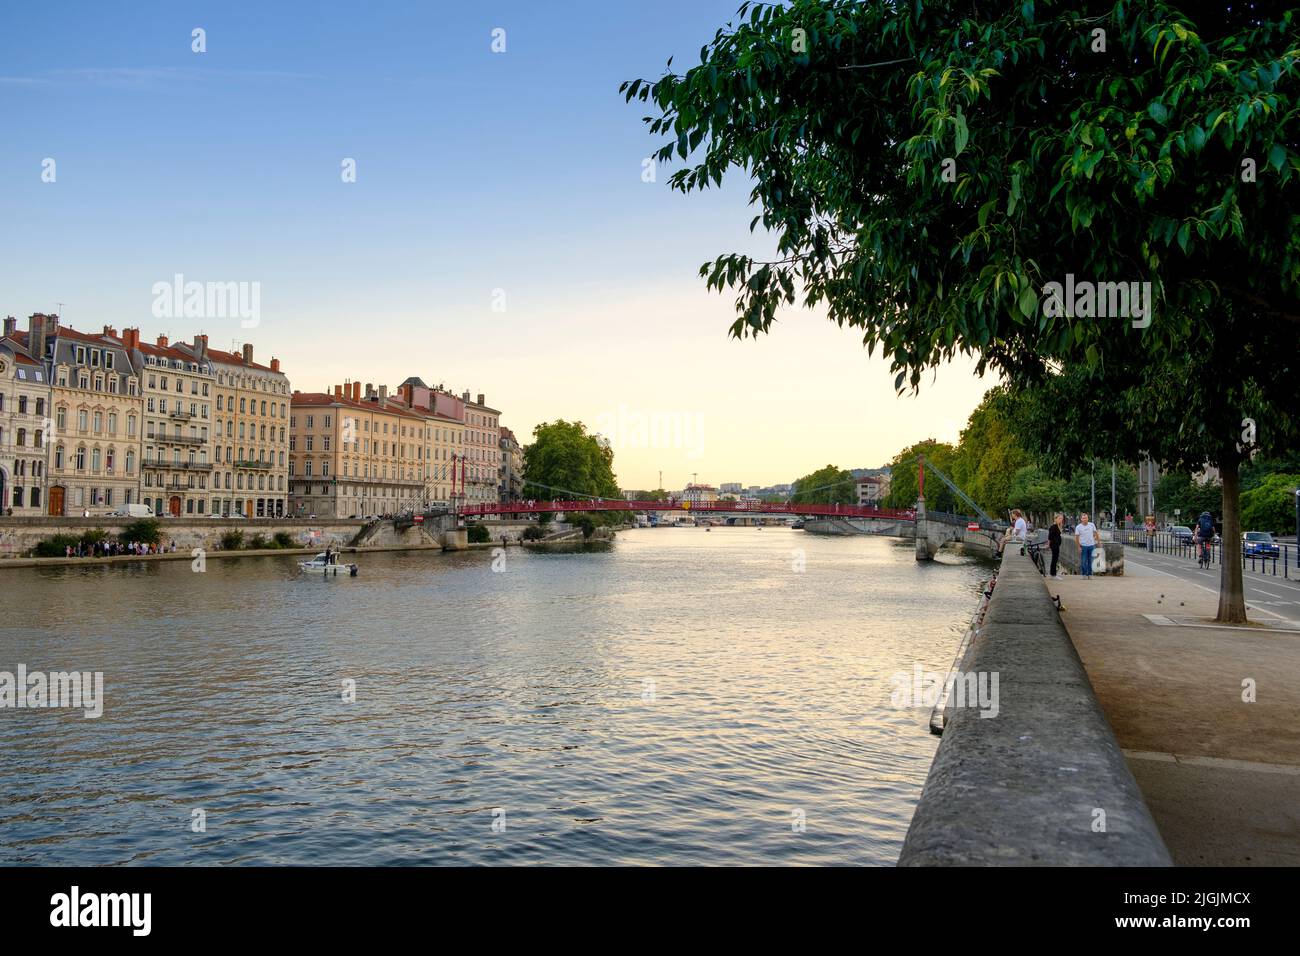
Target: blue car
1259, 544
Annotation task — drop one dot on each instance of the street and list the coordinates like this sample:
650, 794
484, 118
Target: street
1265, 594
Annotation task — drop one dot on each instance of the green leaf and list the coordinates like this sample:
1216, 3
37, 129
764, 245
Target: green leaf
1156, 110
961, 133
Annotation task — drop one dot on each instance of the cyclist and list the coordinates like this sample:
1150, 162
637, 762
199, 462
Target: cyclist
1203, 537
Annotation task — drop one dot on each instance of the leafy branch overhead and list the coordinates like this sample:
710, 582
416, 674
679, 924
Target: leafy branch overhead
927, 168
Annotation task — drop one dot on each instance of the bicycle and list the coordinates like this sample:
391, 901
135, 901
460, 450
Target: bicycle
1036, 555
1203, 559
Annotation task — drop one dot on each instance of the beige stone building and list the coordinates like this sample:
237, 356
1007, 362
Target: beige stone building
250, 437
177, 386
482, 452
445, 463
354, 454
97, 408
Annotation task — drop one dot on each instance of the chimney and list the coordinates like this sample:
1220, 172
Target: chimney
408, 394
11, 325
464, 397
131, 338
110, 331
370, 390
162, 341
248, 354
338, 391
383, 394
356, 391
480, 399
42, 327
275, 362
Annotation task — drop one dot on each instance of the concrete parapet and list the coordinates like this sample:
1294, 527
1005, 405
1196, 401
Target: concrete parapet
1043, 782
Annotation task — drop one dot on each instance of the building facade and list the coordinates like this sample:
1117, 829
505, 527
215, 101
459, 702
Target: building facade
353, 455
250, 436
177, 388
511, 482
24, 427
96, 406
482, 453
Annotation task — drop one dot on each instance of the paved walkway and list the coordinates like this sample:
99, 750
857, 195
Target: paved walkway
1220, 776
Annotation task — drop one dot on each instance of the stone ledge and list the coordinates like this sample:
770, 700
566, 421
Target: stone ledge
1023, 788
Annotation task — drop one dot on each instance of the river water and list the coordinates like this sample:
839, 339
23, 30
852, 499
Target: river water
687, 697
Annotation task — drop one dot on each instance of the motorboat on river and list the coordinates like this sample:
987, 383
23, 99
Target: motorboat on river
327, 563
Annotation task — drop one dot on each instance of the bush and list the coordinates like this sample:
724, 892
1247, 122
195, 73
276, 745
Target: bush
143, 529
257, 542
232, 541
534, 533
57, 546
283, 539
479, 534
584, 524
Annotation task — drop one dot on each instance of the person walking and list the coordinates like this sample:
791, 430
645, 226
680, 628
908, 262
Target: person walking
1054, 540
1085, 536
1151, 532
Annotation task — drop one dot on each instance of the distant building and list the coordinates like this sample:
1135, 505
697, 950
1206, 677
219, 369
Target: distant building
873, 489
512, 467
699, 494
730, 488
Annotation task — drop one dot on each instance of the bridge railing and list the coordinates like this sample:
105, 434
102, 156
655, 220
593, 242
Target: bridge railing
531, 506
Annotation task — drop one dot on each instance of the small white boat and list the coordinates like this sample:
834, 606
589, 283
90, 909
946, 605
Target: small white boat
327, 564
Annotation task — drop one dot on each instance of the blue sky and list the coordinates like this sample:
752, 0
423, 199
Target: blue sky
476, 171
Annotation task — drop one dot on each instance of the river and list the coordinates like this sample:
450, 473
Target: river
686, 697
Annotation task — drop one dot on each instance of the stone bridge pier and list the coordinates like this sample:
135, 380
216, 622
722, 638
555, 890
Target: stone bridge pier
933, 535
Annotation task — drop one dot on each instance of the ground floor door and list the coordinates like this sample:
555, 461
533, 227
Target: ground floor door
174, 506
56, 499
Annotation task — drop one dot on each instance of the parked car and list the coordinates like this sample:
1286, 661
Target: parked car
1182, 534
1259, 544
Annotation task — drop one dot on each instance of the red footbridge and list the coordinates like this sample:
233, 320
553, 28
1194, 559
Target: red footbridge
530, 506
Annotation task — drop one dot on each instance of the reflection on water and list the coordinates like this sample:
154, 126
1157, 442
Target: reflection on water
685, 697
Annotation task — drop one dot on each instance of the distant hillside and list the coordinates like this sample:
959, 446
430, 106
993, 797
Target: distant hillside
869, 472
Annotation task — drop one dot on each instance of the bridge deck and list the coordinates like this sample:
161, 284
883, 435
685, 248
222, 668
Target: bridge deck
704, 507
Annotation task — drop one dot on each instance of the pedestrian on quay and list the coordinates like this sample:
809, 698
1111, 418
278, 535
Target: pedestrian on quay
1151, 532
1054, 540
1085, 536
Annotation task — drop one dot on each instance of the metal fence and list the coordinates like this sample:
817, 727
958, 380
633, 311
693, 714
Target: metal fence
1283, 564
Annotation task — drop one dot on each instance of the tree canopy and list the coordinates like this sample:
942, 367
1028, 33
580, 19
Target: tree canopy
564, 459
825, 486
934, 174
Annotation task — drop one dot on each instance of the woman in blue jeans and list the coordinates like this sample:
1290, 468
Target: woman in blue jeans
1085, 535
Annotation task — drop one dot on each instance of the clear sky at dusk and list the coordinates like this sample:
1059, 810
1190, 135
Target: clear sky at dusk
476, 171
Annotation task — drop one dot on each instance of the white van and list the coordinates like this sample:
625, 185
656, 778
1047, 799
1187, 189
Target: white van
132, 511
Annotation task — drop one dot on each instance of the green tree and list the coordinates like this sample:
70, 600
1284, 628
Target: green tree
825, 486
903, 490
1270, 505
930, 169
989, 453
564, 460
1037, 494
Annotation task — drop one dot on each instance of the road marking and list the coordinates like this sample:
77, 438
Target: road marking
1218, 763
1254, 605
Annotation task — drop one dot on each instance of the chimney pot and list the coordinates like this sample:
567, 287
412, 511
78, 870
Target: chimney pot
383, 394
480, 399
11, 325
356, 391
162, 341
275, 362
248, 354
338, 391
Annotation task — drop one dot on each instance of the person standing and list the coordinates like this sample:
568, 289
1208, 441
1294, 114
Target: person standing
1151, 532
1085, 536
1054, 540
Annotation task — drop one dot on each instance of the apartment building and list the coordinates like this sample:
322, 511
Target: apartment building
97, 407
444, 449
511, 479
482, 452
250, 436
24, 425
177, 389
352, 454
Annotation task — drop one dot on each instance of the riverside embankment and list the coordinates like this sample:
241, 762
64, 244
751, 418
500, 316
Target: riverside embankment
1038, 779
1208, 716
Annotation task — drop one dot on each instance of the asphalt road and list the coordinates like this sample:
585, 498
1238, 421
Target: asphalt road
1274, 596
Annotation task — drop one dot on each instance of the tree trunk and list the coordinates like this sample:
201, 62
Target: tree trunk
1232, 597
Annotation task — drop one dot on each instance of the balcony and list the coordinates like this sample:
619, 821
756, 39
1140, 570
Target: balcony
259, 465
180, 415
160, 464
177, 439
